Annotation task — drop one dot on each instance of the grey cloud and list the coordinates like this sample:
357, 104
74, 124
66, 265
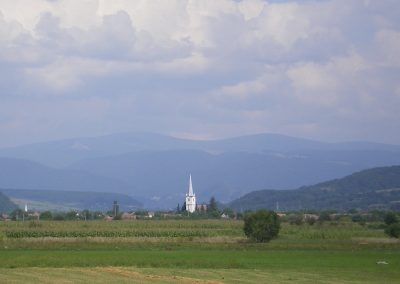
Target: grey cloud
314, 69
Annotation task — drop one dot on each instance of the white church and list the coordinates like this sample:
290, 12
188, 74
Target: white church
190, 198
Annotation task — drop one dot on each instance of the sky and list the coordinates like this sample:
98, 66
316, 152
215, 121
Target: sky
326, 70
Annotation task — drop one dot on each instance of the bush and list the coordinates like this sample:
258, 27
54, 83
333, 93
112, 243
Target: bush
46, 215
261, 226
311, 221
390, 218
59, 217
357, 218
393, 230
392, 225
324, 216
296, 219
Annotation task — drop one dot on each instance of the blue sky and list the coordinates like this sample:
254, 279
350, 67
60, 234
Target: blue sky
326, 70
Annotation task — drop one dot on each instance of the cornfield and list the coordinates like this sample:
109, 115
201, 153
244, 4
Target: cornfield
122, 229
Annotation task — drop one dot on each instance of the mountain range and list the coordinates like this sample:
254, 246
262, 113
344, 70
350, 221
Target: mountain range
61, 153
155, 168
25, 174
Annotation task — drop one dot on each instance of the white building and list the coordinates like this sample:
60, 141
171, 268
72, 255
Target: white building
190, 198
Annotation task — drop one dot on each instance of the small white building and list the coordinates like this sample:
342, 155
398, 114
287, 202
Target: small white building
190, 198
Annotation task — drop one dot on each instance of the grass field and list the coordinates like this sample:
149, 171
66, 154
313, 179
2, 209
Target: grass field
188, 251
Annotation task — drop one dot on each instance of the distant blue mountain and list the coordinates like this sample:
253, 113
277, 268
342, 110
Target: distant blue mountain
163, 175
64, 152
155, 168
24, 174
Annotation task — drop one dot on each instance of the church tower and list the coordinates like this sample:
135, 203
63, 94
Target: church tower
190, 198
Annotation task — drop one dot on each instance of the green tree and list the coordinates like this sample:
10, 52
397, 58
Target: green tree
261, 226
392, 225
16, 215
86, 214
98, 215
390, 218
324, 216
393, 230
46, 215
71, 215
296, 219
59, 216
212, 208
358, 218
352, 211
311, 221
229, 212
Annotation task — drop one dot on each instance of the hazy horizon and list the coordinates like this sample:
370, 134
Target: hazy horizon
320, 70
189, 138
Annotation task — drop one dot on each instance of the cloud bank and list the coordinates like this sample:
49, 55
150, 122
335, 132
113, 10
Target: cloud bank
326, 70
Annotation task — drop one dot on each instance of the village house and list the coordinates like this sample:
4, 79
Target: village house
310, 217
108, 218
201, 207
128, 216
5, 217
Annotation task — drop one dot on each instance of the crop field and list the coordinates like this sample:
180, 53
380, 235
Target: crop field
140, 228
194, 251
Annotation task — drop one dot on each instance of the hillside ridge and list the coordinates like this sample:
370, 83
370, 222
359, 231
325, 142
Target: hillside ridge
375, 188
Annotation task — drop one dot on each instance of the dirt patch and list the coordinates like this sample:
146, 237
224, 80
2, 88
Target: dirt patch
376, 240
151, 277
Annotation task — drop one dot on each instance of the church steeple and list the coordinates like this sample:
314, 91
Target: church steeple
190, 197
190, 186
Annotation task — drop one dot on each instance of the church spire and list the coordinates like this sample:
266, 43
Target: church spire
190, 186
190, 198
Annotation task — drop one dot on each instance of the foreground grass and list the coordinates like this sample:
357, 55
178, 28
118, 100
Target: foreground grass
187, 251
244, 266
193, 258
151, 275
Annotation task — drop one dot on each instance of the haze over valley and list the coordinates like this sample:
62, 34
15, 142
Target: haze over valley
154, 168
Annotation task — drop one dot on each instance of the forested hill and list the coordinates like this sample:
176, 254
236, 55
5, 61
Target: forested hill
6, 205
376, 188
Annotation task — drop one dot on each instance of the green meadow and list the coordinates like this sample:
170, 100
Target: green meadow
194, 251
